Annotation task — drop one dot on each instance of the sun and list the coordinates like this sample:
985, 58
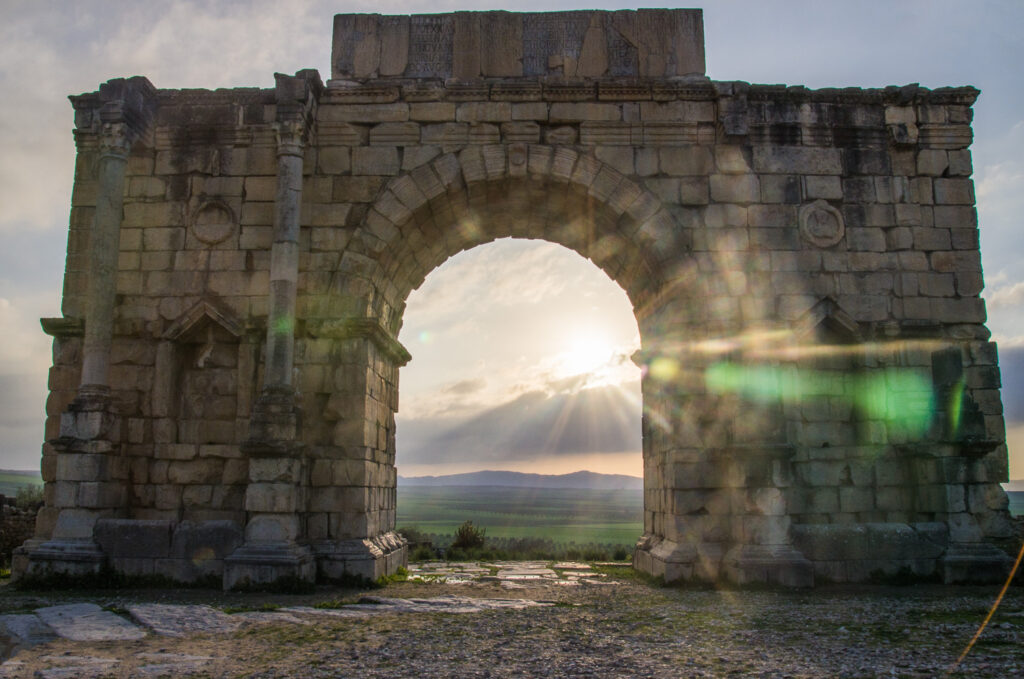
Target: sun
588, 353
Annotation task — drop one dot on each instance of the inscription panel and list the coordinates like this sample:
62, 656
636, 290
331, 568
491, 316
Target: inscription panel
544, 35
622, 56
430, 46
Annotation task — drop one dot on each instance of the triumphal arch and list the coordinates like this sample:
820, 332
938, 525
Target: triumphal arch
821, 398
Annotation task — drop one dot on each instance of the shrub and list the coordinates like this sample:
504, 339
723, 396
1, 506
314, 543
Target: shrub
468, 536
422, 552
414, 536
29, 497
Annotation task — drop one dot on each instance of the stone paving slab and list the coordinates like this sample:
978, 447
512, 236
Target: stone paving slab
180, 621
25, 629
508, 573
88, 622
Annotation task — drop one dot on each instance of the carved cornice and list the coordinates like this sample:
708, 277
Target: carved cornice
63, 327
121, 112
632, 89
367, 328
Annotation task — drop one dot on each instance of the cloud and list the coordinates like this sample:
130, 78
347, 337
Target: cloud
1006, 296
466, 386
536, 425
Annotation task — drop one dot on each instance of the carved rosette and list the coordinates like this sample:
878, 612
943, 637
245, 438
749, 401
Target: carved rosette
821, 224
114, 141
291, 136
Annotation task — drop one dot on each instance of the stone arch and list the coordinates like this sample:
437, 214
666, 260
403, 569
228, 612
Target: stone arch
728, 222
419, 220
460, 200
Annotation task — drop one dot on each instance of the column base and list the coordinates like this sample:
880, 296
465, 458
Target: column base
269, 566
365, 559
665, 559
970, 562
768, 564
20, 557
73, 557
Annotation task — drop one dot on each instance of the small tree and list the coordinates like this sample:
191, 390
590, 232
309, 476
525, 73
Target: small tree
468, 536
29, 497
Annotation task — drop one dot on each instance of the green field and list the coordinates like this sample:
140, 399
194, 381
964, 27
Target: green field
581, 516
10, 481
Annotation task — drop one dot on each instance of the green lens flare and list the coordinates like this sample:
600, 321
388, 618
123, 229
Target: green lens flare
901, 398
283, 324
955, 406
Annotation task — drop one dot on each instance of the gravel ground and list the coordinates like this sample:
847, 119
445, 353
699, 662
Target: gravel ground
628, 629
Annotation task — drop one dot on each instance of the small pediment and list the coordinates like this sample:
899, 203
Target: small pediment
826, 322
201, 315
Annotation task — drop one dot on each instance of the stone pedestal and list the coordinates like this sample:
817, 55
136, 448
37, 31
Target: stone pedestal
366, 559
665, 559
269, 564
90, 485
979, 563
768, 564
272, 552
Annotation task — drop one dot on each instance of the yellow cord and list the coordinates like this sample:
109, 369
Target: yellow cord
991, 612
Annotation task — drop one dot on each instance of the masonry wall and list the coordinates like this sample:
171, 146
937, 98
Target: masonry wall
752, 226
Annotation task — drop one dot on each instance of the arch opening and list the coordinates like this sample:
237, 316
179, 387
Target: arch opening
521, 363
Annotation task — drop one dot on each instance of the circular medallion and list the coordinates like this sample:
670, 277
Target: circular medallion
821, 224
213, 222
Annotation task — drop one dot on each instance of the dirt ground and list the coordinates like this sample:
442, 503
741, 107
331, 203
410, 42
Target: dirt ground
622, 626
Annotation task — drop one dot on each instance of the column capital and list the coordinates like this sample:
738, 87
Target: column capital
291, 134
114, 140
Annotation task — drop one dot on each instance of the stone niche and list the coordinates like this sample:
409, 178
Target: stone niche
821, 397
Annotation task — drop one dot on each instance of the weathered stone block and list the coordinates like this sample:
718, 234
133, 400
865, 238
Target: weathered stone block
130, 538
381, 160
735, 188
695, 160
797, 160
824, 187
953, 191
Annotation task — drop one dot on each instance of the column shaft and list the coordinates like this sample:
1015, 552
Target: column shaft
104, 245
284, 258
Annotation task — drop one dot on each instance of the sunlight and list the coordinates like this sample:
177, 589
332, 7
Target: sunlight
521, 360
589, 353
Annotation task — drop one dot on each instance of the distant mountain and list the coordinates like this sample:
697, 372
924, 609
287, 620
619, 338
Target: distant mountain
576, 480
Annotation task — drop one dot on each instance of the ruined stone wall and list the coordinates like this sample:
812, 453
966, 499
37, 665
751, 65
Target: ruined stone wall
821, 398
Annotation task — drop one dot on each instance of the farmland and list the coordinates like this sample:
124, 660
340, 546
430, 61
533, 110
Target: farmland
613, 517
11, 481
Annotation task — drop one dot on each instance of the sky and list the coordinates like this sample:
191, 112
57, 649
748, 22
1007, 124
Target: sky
513, 332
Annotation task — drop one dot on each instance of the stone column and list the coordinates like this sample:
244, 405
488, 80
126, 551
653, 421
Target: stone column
273, 549
104, 247
90, 475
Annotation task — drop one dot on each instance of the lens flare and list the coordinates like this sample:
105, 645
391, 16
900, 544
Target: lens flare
663, 369
902, 398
